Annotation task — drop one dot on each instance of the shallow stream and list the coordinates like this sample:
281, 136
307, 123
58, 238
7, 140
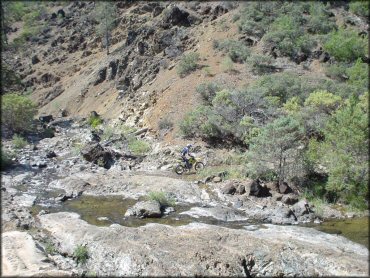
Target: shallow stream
103, 211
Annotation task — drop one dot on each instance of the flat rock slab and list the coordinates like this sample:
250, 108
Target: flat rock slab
20, 257
207, 250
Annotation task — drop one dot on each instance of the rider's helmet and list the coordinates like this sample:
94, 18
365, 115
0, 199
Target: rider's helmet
189, 145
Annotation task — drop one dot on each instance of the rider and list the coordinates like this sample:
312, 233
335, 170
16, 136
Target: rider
186, 151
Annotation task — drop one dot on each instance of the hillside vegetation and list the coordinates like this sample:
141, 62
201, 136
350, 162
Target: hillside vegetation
284, 84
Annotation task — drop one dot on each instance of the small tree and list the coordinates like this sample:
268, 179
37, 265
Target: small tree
345, 151
17, 112
277, 146
106, 15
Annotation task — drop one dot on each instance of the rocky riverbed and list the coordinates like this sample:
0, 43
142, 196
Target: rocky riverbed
213, 227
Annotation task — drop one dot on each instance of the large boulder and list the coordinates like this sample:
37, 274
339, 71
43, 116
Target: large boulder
97, 154
176, 16
101, 75
145, 209
259, 189
284, 188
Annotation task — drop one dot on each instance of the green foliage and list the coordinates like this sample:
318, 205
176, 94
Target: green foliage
292, 106
337, 71
346, 45
276, 148
188, 64
94, 121
319, 21
227, 65
161, 197
360, 8
50, 249
289, 37
359, 75
260, 63
5, 159
81, 254
193, 120
236, 50
17, 112
165, 124
138, 147
208, 90
207, 71
345, 149
19, 142
256, 17
323, 101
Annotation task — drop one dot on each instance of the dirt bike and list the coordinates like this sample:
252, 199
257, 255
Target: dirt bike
181, 167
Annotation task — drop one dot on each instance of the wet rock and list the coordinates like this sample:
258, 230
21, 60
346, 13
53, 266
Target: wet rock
284, 188
259, 189
25, 200
218, 212
145, 209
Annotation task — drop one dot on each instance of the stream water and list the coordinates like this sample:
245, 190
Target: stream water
103, 211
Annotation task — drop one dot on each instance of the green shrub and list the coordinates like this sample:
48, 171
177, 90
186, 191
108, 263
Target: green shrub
17, 112
50, 249
346, 45
288, 36
81, 254
165, 124
359, 75
207, 71
108, 133
236, 50
337, 71
360, 8
94, 121
260, 63
227, 65
319, 21
19, 142
208, 90
138, 147
323, 101
164, 199
188, 64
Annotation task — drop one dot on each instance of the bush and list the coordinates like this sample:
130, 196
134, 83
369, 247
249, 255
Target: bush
360, 8
165, 124
227, 65
236, 50
289, 37
19, 142
188, 64
208, 90
81, 254
346, 45
323, 101
337, 71
359, 75
319, 21
138, 147
162, 198
17, 112
94, 121
260, 63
